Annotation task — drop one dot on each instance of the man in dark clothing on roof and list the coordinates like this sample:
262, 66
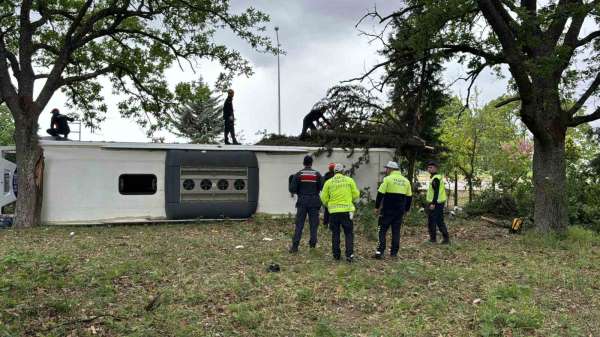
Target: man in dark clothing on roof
436, 198
307, 184
229, 119
59, 125
316, 117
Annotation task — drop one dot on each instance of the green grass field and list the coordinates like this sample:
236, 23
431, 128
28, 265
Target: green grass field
191, 280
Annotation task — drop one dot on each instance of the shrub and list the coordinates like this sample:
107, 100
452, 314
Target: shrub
493, 203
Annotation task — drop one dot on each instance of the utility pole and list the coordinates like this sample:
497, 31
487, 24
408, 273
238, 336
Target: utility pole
278, 85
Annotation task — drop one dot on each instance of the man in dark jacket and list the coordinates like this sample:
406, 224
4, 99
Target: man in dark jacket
315, 118
436, 199
229, 119
307, 184
393, 200
330, 173
59, 125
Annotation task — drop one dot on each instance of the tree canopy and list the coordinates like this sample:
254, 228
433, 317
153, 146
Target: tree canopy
7, 126
540, 43
80, 46
198, 114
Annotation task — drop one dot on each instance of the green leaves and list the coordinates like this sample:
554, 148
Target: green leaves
130, 44
196, 113
7, 126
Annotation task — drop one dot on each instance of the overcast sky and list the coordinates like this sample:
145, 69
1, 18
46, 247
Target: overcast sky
322, 48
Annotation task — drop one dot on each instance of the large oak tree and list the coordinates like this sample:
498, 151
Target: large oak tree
79, 46
547, 54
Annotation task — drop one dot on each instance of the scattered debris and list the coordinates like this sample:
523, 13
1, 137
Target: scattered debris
72, 234
239, 247
273, 268
477, 301
154, 302
267, 239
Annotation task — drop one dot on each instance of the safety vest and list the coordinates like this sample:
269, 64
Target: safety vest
339, 194
441, 190
395, 183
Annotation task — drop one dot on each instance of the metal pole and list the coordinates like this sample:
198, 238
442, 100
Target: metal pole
278, 85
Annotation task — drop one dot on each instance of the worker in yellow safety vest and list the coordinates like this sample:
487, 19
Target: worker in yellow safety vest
436, 198
339, 195
393, 200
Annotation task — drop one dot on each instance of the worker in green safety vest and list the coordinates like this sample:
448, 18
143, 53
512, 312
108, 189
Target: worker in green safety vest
436, 198
339, 195
393, 200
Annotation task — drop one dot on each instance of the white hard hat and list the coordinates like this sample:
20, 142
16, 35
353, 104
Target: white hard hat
392, 165
339, 167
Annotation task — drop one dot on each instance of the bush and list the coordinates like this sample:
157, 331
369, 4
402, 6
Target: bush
583, 201
523, 195
493, 203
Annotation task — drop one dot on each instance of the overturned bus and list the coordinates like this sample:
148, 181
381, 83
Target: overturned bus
104, 182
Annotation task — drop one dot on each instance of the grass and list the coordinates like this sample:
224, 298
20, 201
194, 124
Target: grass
191, 280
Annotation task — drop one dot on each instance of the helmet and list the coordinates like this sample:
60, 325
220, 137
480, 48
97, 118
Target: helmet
339, 167
392, 165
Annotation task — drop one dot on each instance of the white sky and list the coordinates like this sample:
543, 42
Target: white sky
322, 48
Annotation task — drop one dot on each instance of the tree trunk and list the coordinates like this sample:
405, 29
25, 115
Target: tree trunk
30, 171
470, 183
412, 158
455, 188
549, 179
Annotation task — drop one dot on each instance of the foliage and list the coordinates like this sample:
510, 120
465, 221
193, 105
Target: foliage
493, 203
7, 126
486, 141
583, 181
366, 217
541, 44
131, 44
417, 93
198, 113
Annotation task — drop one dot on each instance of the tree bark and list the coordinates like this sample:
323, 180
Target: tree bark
30, 171
470, 183
412, 158
549, 178
455, 188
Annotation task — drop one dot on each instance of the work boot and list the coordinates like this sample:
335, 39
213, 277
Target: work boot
446, 241
293, 250
378, 256
349, 259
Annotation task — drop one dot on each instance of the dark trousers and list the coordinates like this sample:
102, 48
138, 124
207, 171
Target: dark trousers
326, 217
313, 220
385, 222
341, 221
57, 132
435, 221
229, 130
